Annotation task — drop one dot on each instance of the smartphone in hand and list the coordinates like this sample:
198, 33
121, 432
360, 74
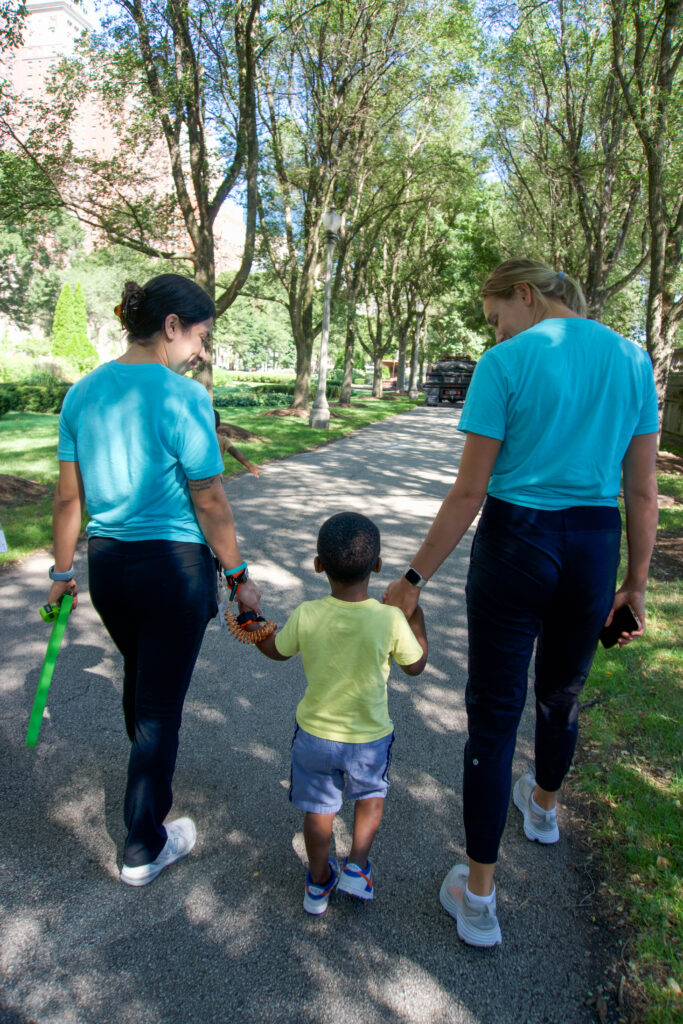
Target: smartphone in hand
624, 621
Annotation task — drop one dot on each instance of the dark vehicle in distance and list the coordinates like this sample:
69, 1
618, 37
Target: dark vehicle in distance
448, 380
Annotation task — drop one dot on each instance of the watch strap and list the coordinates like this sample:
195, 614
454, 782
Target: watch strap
61, 577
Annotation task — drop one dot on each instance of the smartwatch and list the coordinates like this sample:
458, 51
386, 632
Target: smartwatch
414, 578
61, 577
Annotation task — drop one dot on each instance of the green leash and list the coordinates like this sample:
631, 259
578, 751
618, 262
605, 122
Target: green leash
54, 643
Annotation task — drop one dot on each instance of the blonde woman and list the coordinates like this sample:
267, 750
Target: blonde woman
554, 414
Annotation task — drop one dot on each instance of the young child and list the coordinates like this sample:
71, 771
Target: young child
227, 448
344, 734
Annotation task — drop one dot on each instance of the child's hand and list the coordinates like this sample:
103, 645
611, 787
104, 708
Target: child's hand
254, 470
417, 624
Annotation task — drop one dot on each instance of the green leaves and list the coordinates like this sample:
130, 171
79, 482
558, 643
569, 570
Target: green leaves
70, 331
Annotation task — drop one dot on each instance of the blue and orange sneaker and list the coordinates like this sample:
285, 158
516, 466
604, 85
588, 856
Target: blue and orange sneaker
316, 897
356, 881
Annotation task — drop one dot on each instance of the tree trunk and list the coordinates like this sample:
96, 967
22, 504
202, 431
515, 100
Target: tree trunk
345, 393
401, 369
377, 376
205, 277
302, 331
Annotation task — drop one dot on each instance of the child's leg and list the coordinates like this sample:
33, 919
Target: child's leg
318, 837
367, 815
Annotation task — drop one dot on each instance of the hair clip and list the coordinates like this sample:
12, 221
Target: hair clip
118, 311
561, 276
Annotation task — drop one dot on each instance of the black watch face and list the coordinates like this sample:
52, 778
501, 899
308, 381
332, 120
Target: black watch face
413, 577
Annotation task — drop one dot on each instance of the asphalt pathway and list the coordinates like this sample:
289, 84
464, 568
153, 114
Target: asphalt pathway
222, 938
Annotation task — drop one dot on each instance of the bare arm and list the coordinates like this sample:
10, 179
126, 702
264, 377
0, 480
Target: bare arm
453, 519
67, 516
215, 519
268, 648
417, 624
640, 499
237, 454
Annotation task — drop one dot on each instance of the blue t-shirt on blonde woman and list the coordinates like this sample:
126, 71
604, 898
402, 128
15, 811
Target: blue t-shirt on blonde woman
565, 398
139, 433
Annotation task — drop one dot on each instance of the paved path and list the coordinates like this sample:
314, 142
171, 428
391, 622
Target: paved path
222, 938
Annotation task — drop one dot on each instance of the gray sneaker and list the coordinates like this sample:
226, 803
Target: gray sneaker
181, 835
477, 925
538, 825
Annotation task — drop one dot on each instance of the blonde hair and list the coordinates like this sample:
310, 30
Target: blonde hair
544, 282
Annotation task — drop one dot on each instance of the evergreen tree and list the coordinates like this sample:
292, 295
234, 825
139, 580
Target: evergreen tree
63, 324
82, 352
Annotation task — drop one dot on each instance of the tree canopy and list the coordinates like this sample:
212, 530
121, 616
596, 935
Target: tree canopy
446, 136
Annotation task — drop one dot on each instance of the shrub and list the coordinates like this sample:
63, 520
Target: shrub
224, 378
83, 353
5, 402
70, 330
35, 397
252, 399
23, 370
279, 388
62, 324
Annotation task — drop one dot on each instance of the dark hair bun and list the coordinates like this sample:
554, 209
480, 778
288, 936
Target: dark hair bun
131, 302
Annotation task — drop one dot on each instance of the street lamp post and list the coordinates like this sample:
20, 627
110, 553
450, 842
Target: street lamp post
412, 390
320, 413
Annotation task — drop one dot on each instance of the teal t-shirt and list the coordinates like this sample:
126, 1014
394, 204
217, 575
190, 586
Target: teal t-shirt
139, 433
565, 398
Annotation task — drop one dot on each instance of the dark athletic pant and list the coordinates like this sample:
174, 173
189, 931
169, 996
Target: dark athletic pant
533, 574
155, 599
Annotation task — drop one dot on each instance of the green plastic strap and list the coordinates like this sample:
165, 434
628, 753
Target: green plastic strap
54, 643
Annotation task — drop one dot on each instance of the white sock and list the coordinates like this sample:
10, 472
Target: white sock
540, 810
480, 900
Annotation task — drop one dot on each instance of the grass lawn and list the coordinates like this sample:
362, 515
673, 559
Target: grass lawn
629, 770
28, 449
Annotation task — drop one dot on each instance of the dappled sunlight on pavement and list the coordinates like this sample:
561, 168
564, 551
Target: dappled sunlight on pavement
222, 938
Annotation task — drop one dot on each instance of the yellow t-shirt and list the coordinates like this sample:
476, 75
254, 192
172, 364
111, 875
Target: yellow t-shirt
346, 648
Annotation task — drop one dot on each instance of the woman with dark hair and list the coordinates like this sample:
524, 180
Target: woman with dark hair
554, 414
137, 444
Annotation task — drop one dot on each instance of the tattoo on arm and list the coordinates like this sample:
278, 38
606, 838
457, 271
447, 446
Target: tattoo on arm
201, 485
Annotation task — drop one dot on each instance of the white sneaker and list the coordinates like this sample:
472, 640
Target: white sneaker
477, 923
538, 825
356, 881
317, 897
181, 835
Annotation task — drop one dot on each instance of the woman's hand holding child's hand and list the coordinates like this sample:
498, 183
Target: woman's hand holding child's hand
402, 595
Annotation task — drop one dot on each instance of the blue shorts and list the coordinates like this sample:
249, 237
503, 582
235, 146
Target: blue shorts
321, 768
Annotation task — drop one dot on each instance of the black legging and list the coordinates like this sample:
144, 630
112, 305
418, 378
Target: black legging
155, 599
534, 574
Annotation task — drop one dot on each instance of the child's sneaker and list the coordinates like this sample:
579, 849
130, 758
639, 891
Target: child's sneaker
356, 881
316, 897
538, 824
477, 923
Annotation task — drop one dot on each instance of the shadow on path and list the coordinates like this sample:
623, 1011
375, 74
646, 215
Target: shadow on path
223, 937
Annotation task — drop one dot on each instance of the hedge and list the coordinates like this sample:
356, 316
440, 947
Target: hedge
252, 399
332, 390
33, 397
